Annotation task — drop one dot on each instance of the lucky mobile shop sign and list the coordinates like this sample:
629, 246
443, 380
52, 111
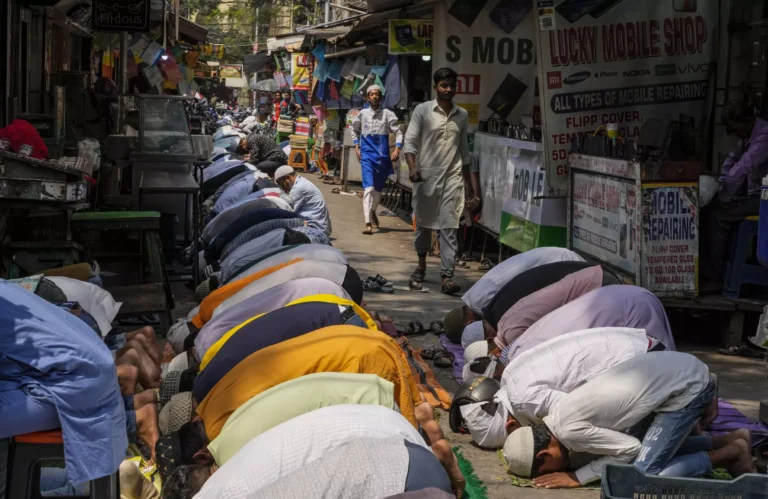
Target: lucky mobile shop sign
620, 61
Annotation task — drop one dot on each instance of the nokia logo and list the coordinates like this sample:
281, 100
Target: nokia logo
637, 72
577, 78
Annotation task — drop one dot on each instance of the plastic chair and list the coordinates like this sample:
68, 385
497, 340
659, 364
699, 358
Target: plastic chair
27, 455
740, 271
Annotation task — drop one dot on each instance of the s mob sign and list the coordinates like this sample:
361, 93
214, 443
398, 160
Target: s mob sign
121, 15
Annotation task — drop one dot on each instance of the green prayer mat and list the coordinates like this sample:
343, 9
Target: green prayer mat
475, 488
527, 482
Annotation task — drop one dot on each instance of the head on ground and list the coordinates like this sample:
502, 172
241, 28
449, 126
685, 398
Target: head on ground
186, 481
285, 176
445, 83
533, 451
456, 320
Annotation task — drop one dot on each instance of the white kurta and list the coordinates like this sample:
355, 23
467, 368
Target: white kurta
440, 143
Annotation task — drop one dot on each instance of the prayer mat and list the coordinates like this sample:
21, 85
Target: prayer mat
431, 389
528, 483
475, 488
458, 357
729, 419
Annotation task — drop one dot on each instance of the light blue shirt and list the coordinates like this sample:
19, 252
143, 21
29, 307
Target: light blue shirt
45, 348
309, 202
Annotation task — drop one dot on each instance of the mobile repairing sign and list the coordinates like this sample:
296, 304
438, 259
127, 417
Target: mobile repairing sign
490, 43
619, 61
670, 238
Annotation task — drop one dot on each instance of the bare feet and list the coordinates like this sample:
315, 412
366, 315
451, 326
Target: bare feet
146, 426
146, 337
127, 376
144, 398
133, 353
444, 454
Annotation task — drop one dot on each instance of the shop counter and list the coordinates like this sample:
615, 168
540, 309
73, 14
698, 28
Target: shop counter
640, 219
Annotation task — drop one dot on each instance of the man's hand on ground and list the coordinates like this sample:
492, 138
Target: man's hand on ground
559, 480
415, 176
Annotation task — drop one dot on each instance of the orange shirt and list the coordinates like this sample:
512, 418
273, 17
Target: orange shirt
214, 299
340, 349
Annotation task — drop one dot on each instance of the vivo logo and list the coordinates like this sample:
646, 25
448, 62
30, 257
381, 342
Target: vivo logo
693, 68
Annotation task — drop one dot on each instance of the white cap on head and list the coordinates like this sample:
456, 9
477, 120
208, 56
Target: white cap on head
283, 171
472, 333
475, 350
372, 88
518, 452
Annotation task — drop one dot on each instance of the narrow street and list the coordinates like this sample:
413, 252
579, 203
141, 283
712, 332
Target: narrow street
389, 252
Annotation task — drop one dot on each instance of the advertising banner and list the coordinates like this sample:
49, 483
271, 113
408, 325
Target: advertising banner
605, 220
670, 238
410, 36
620, 61
514, 194
490, 43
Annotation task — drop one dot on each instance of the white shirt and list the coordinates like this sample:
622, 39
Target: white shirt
309, 202
592, 418
300, 441
536, 379
333, 272
481, 294
439, 141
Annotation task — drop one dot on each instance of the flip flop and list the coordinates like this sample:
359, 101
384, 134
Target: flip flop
414, 327
371, 285
380, 279
431, 353
449, 287
486, 264
444, 358
437, 327
335, 191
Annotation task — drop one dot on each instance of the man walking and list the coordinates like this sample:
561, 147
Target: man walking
438, 134
370, 132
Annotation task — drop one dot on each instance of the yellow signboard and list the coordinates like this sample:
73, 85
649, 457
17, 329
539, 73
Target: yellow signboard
410, 36
473, 110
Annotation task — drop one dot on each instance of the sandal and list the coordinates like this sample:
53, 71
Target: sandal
372, 285
486, 264
336, 191
444, 358
419, 275
432, 352
380, 279
368, 231
450, 287
414, 327
437, 327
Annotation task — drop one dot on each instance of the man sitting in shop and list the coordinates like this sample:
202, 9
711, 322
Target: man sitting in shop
738, 198
308, 201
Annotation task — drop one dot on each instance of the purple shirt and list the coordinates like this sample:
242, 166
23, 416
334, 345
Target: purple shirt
611, 306
746, 162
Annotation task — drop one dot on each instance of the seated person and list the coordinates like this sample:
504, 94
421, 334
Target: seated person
611, 306
331, 349
56, 374
536, 379
307, 199
526, 312
482, 292
312, 437
739, 197
263, 148
675, 387
263, 331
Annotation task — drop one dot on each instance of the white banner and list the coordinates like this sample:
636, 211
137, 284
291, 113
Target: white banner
620, 61
491, 45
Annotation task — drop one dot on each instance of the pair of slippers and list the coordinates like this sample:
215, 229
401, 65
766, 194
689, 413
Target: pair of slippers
416, 327
378, 284
440, 357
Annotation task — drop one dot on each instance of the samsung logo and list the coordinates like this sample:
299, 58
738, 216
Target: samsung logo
577, 78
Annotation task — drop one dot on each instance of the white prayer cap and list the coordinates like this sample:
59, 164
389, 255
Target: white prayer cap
283, 171
518, 452
179, 363
472, 333
475, 350
372, 88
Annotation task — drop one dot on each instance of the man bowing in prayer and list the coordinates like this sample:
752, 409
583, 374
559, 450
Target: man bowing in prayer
370, 133
438, 134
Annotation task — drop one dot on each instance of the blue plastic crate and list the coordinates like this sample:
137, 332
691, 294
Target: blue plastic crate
626, 482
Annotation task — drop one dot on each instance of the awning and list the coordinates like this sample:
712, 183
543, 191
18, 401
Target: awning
382, 5
290, 42
193, 31
236, 83
379, 21
255, 63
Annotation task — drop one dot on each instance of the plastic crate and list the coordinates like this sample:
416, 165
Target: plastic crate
626, 482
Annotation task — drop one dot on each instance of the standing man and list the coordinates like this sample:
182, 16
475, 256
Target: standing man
370, 132
438, 134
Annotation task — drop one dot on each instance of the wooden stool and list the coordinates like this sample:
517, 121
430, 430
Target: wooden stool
298, 159
27, 455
